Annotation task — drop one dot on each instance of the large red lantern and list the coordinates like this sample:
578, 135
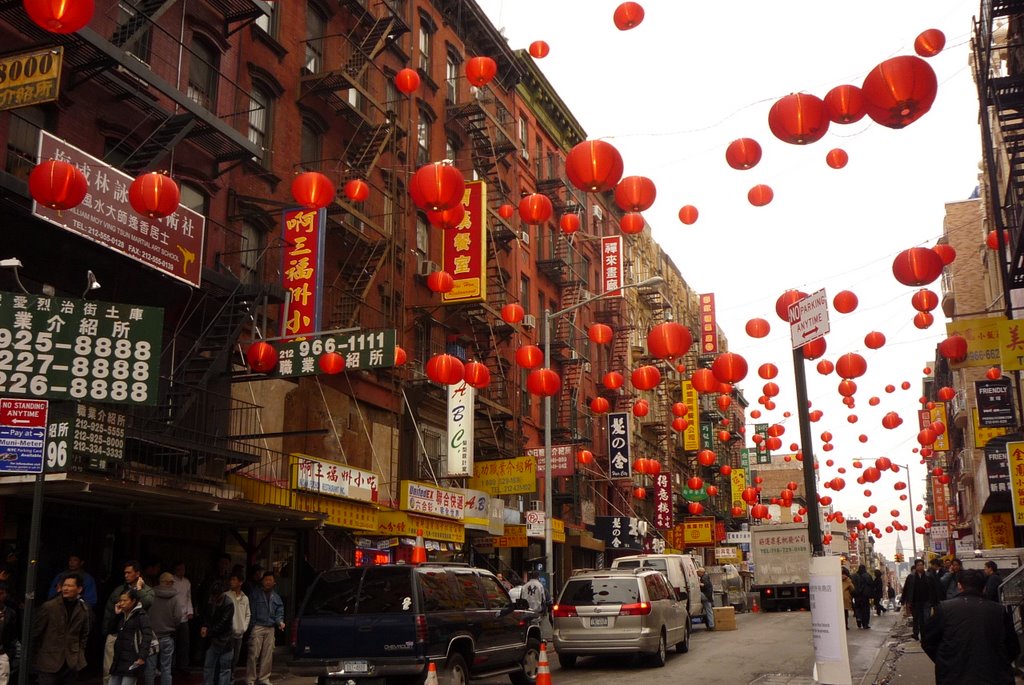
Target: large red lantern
407, 80
641, 408
60, 16
645, 377
954, 348
874, 340
706, 457
57, 185
767, 371
628, 15
924, 300
357, 190
585, 457
480, 70
600, 333
154, 195
758, 328
261, 356
535, 208
669, 340
635, 193
477, 375
814, 349
798, 118
992, 239
785, 300
923, 320
729, 367
917, 266
845, 301
569, 223
743, 154
506, 211
529, 356
688, 214
837, 158
539, 49
612, 380
543, 382
946, 393
703, 380
760, 195
313, 190
593, 166
851, 365
632, 223
331, 363
599, 405
899, 91
947, 253
440, 282
512, 313
436, 186
929, 43
844, 104
445, 369
400, 356
447, 219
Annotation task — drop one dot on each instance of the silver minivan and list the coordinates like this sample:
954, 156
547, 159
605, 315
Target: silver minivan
681, 571
619, 611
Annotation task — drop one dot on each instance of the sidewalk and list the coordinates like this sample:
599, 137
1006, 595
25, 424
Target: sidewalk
900, 659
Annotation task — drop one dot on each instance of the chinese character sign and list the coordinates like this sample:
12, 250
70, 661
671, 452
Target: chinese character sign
996, 467
1015, 454
611, 265
30, 78
421, 498
172, 245
939, 500
333, 478
505, 476
995, 403
738, 481
982, 336
619, 532
361, 350
618, 445
563, 462
663, 501
708, 325
464, 248
303, 231
461, 401
691, 434
699, 531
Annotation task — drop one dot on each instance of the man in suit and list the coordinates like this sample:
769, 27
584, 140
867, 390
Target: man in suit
919, 596
59, 634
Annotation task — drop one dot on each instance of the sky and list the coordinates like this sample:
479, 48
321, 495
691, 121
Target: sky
672, 93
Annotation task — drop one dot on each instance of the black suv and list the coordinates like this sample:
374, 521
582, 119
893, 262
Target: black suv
375, 624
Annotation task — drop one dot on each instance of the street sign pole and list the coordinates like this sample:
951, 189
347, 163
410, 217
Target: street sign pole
810, 482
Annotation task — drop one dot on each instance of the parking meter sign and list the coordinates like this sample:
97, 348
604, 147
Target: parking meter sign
22, 435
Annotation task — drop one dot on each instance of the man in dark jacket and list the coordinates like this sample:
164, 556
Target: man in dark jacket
951, 581
919, 596
132, 581
59, 633
878, 592
164, 617
8, 631
971, 639
862, 590
217, 629
992, 581
707, 598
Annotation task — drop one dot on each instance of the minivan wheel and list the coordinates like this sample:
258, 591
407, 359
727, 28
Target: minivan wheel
659, 657
684, 646
531, 659
455, 670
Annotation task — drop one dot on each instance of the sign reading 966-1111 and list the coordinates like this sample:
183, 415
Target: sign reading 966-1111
67, 348
360, 350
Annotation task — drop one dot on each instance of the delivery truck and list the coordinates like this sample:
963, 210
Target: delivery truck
781, 554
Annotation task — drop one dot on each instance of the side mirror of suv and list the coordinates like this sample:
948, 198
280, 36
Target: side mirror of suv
683, 595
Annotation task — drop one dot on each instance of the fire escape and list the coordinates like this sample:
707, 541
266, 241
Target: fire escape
487, 123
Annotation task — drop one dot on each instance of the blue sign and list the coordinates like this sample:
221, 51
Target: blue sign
22, 435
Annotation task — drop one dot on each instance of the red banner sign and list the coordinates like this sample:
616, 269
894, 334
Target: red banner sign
663, 501
708, 325
464, 248
611, 264
940, 505
303, 231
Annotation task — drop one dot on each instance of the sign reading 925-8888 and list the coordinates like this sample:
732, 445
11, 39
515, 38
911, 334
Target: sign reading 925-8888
66, 348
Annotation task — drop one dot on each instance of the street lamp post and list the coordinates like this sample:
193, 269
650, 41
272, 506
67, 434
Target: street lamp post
549, 544
910, 498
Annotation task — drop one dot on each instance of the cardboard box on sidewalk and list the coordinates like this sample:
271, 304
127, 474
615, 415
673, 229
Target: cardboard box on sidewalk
725, 618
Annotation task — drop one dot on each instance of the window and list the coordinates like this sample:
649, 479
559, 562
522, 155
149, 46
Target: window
268, 22
202, 74
260, 117
523, 138
311, 147
249, 254
451, 77
422, 238
23, 140
142, 45
426, 45
524, 293
316, 27
538, 156
423, 138
451, 149
540, 303
193, 197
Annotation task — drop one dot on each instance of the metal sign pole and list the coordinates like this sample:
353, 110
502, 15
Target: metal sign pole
810, 482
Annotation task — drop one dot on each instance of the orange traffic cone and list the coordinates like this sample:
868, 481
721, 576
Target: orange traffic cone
543, 670
757, 607
431, 675
419, 552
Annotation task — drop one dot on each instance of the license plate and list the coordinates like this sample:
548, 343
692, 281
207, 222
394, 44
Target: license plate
598, 621
354, 667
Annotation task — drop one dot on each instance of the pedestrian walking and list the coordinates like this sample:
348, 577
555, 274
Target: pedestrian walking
217, 630
919, 596
533, 593
8, 633
267, 616
863, 590
242, 616
951, 581
133, 639
891, 591
132, 581
76, 565
878, 592
848, 590
707, 598
182, 647
164, 618
59, 635
971, 639
992, 581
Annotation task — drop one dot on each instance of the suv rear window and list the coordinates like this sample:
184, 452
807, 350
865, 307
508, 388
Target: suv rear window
591, 591
384, 590
657, 564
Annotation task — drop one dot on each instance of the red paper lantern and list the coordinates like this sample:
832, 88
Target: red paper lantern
641, 408
539, 49
437, 186
760, 195
706, 458
825, 367
929, 43
447, 219
703, 380
400, 356
154, 195
331, 363
924, 300
569, 223
600, 333
612, 380
593, 166
946, 393
917, 266
585, 457
512, 313
669, 340
60, 16
947, 253
845, 301
679, 409
814, 349
798, 118
736, 512
785, 300
847, 388
653, 467
440, 282
729, 367
891, 420
357, 190
632, 223
477, 375
899, 91
57, 185
844, 104
543, 382
724, 436
628, 15
599, 405
954, 348
535, 209
645, 377
994, 373
480, 70
874, 340
743, 154
923, 320
758, 328
529, 356
992, 239
837, 158
767, 371
712, 491
759, 511
635, 193
695, 483
407, 80
261, 356
851, 365
724, 401
445, 369
688, 214
313, 190
506, 211
639, 493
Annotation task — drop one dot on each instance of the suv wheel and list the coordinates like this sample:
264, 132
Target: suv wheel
529, 664
455, 670
659, 657
684, 646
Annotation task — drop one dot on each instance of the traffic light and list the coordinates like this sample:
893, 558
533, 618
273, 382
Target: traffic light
899, 558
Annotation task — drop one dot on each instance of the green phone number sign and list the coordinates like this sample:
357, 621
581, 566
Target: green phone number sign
67, 348
361, 350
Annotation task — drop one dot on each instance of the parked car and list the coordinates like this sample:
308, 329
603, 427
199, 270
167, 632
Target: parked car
385, 624
619, 611
681, 571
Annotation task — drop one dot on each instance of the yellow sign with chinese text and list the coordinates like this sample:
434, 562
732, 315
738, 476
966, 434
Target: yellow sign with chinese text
404, 524
505, 476
1015, 454
997, 530
938, 413
30, 78
1011, 344
699, 530
738, 478
691, 436
982, 336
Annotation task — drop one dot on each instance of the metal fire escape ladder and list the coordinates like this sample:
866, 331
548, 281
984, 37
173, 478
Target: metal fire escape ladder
143, 13
357, 275
366, 147
165, 137
485, 120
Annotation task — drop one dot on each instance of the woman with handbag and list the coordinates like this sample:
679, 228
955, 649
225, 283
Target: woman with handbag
134, 639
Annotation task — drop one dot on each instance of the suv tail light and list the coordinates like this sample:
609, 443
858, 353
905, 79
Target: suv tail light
639, 609
563, 610
295, 632
421, 628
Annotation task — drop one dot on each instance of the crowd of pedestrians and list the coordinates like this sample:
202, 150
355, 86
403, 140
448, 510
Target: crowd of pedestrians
147, 627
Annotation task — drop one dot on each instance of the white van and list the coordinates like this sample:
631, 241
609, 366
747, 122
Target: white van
680, 570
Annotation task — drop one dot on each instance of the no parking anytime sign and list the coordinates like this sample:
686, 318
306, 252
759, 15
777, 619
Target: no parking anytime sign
22, 435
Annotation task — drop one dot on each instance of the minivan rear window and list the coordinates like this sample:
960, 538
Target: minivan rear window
592, 591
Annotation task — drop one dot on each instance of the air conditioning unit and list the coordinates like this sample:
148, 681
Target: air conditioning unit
524, 237
597, 212
529, 321
425, 267
524, 153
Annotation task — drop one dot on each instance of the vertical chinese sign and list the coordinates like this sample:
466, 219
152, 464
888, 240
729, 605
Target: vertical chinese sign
464, 248
618, 445
611, 265
303, 231
691, 434
737, 482
461, 398
708, 325
1015, 457
663, 501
